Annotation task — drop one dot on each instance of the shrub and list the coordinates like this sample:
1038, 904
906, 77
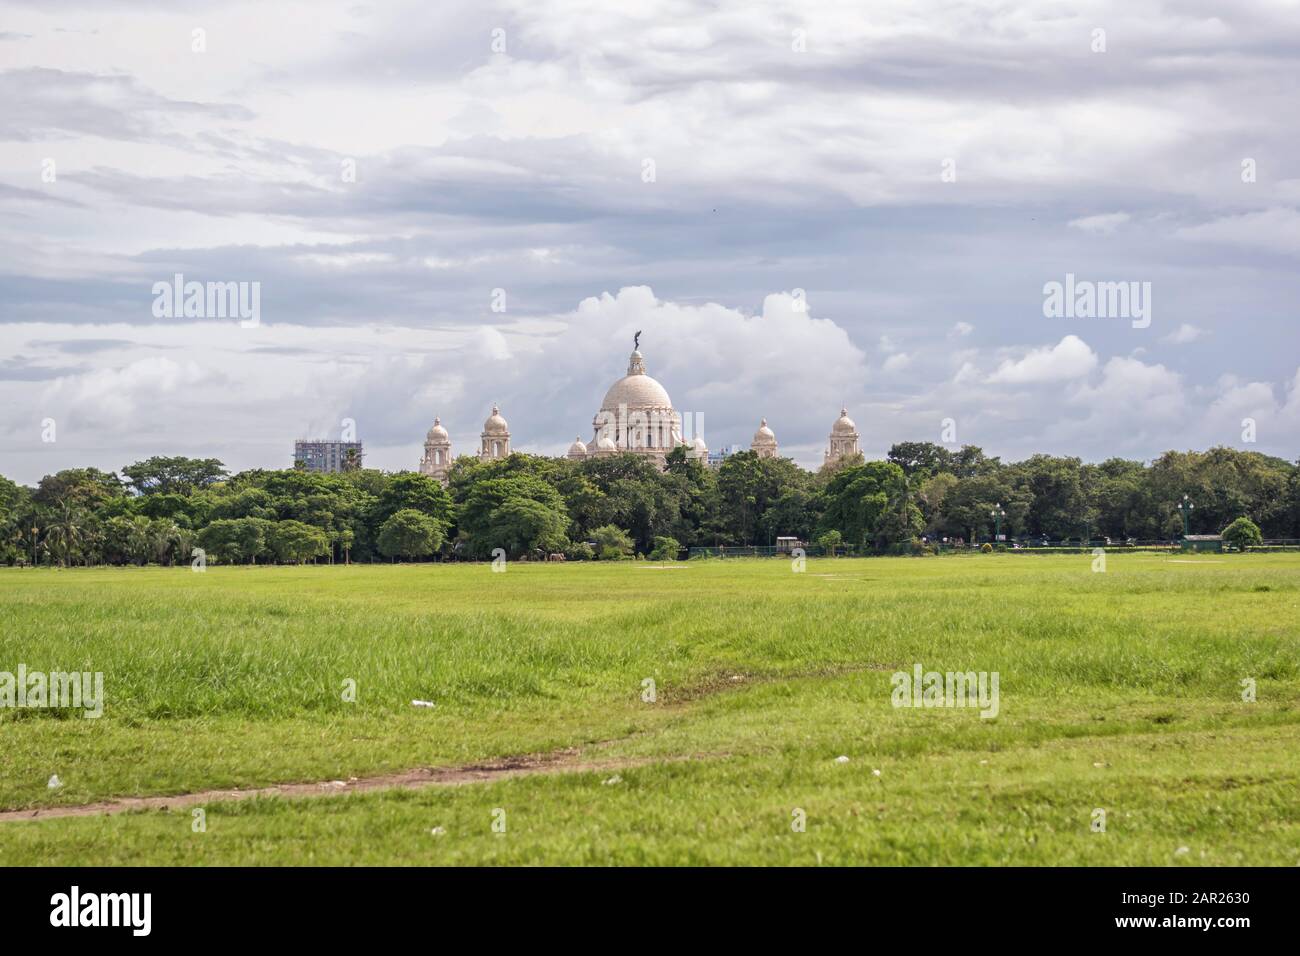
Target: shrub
831, 541
1242, 534
612, 542
986, 548
580, 551
665, 549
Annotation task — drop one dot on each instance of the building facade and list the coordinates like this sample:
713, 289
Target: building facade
764, 443
436, 462
326, 456
843, 440
637, 416
495, 438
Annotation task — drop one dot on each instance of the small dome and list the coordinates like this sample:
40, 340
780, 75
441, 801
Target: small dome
495, 425
577, 449
437, 433
843, 425
605, 443
698, 449
764, 435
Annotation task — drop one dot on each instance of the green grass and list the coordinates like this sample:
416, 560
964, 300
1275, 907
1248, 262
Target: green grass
1119, 691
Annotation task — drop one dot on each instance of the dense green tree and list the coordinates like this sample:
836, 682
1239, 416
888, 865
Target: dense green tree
699, 505
900, 523
484, 498
750, 487
967, 507
921, 458
410, 533
82, 488
296, 542
245, 502
1117, 497
160, 475
1058, 506
636, 496
16, 513
1291, 528
793, 514
525, 526
971, 462
1223, 483
1242, 534
410, 490
235, 540
856, 498
931, 494
740, 485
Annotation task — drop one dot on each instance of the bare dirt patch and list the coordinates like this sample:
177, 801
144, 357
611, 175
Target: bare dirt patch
564, 761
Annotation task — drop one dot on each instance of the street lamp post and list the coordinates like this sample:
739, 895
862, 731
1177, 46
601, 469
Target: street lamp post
1185, 509
34, 530
997, 514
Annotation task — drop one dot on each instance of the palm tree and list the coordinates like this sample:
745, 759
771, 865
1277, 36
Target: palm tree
163, 536
64, 533
92, 545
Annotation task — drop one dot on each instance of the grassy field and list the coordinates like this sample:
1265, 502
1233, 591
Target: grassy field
1119, 691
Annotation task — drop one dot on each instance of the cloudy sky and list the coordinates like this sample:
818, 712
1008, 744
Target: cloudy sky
801, 205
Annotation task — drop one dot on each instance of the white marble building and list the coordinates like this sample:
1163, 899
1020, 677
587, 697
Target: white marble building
637, 416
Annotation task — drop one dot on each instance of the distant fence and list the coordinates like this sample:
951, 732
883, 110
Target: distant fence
758, 551
1038, 546
1285, 544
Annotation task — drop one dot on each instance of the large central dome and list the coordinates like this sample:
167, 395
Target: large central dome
636, 390
636, 415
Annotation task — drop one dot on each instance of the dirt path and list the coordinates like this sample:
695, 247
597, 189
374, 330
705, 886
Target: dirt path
571, 760
564, 761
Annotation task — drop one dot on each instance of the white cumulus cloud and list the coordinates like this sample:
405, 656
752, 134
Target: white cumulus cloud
1070, 358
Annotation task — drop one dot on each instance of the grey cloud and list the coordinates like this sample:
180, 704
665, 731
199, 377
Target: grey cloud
50, 104
83, 346
22, 369
16, 194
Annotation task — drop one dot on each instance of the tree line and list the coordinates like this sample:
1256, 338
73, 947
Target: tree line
160, 510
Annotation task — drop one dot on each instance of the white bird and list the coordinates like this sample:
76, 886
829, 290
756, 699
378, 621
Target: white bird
841, 759
55, 782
